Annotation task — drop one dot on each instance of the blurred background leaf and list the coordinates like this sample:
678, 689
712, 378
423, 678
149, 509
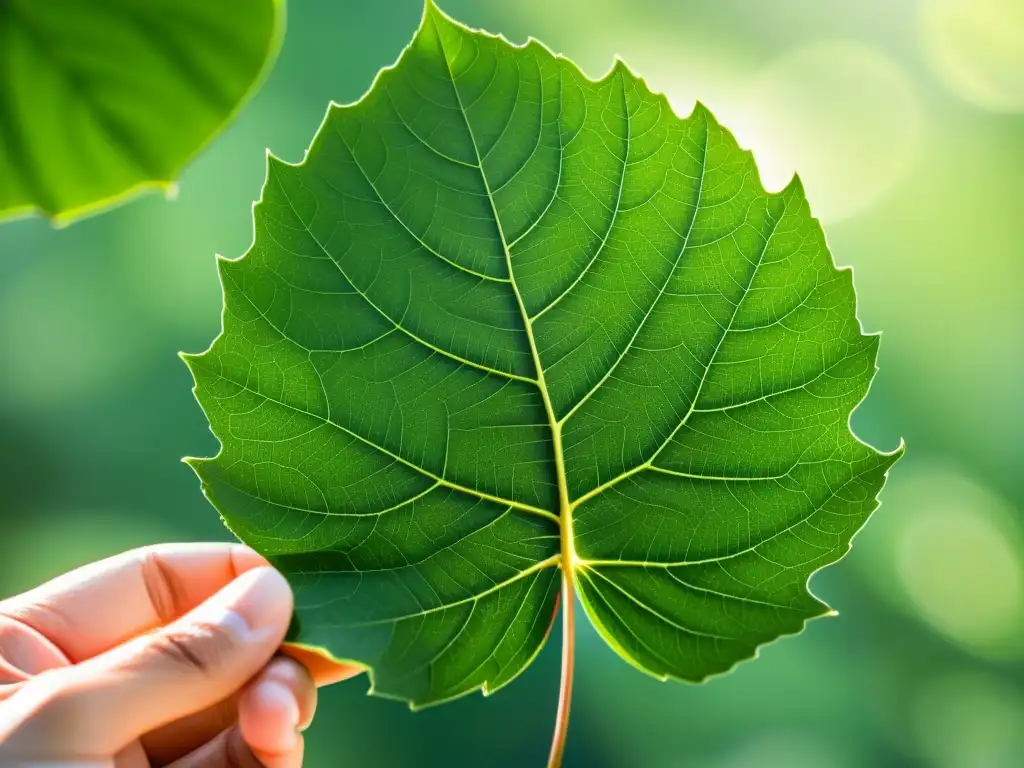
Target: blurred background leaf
925, 664
100, 100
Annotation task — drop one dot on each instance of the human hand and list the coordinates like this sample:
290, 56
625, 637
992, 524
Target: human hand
162, 656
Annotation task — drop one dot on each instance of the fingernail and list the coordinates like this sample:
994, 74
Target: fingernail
275, 713
297, 679
251, 608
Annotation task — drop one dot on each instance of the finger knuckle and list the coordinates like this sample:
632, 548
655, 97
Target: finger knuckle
162, 586
201, 648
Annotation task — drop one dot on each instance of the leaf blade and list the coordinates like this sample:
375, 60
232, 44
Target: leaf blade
499, 280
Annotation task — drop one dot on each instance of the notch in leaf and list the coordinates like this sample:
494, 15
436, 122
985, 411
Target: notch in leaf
508, 336
101, 100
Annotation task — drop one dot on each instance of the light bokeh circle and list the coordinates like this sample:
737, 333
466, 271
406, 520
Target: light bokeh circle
956, 568
976, 48
968, 719
841, 114
949, 551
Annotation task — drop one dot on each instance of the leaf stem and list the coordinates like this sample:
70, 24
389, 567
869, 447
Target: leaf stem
568, 664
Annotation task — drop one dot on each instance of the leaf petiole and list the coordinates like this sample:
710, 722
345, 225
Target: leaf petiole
568, 664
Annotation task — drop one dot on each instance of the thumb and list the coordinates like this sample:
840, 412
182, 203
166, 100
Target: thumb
100, 705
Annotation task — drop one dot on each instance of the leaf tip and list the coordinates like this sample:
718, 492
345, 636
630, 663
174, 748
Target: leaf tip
897, 453
276, 166
273, 161
59, 221
795, 186
431, 11
701, 111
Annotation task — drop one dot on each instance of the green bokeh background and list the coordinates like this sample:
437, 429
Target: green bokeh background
906, 122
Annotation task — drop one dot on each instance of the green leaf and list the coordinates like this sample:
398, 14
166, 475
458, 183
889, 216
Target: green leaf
102, 99
505, 322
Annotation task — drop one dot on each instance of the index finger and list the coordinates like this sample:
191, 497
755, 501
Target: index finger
101, 605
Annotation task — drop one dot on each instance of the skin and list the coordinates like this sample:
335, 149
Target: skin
162, 656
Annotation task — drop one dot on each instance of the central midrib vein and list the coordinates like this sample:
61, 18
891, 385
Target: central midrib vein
568, 550
567, 555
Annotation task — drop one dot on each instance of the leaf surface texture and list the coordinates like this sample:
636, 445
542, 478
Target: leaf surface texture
498, 298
